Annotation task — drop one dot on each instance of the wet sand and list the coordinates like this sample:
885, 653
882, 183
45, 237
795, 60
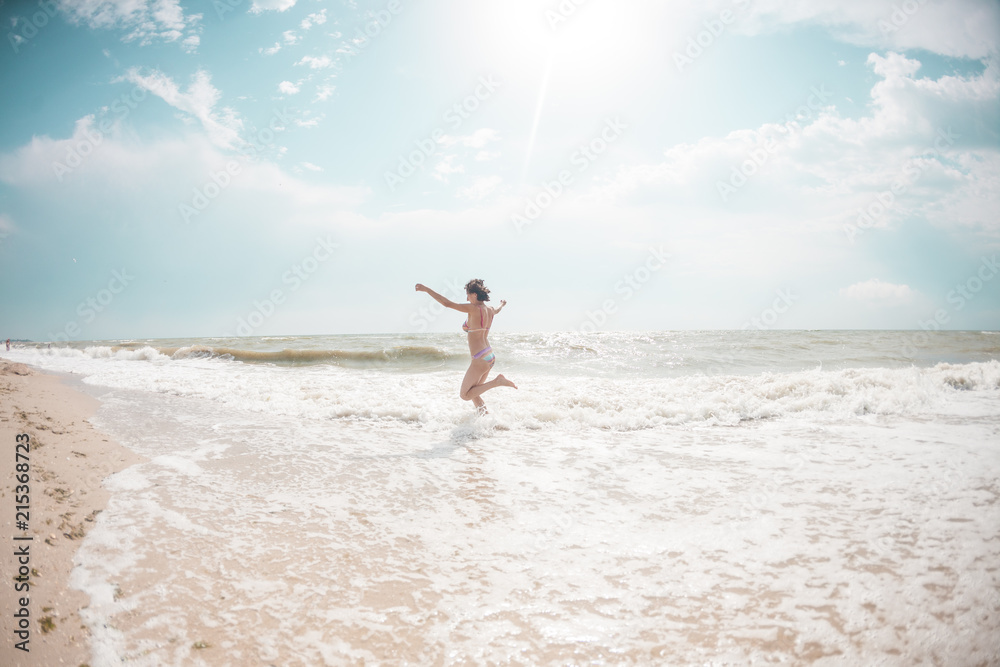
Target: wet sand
68, 460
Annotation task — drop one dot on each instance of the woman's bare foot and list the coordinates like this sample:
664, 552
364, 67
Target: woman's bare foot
504, 382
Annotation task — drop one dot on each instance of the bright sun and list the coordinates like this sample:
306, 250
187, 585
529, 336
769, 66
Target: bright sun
570, 54
585, 42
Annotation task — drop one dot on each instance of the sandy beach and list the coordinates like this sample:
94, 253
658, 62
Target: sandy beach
68, 460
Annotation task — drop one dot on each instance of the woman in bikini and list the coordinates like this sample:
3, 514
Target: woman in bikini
481, 318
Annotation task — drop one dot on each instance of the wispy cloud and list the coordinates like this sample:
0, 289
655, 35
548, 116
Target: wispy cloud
480, 189
962, 28
915, 125
6, 225
477, 139
222, 126
260, 6
321, 62
288, 88
319, 18
324, 91
876, 292
308, 122
144, 21
446, 167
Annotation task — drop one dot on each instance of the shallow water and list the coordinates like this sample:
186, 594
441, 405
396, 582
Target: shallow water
329, 513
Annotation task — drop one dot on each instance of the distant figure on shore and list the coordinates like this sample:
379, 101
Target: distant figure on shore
481, 318
8, 344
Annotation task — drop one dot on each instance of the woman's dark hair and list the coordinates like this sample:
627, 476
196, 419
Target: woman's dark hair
477, 286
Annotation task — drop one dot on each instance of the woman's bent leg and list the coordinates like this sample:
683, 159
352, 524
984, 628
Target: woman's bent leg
476, 375
473, 386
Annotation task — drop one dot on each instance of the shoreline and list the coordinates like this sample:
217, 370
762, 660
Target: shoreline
68, 461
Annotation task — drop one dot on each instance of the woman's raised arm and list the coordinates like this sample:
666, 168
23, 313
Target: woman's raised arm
460, 307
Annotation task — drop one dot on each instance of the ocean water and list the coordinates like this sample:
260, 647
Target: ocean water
663, 498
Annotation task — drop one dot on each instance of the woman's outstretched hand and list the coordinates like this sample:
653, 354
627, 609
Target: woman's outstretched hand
421, 288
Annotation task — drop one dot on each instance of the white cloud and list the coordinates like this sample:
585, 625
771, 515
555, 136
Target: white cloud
961, 28
477, 139
322, 62
270, 51
324, 91
480, 189
290, 37
319, 18
260, 6
145, 21
157, 171
922, 135
169, 14
222, 127
446, 167
45, 162
311, 167
876, 292
308, 122
288, 88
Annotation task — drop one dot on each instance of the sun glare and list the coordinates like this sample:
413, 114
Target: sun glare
574, 57
588, 42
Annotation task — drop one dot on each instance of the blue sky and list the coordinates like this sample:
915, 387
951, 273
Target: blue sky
258, 167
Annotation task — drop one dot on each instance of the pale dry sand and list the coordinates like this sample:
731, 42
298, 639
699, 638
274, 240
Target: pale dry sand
69, 458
